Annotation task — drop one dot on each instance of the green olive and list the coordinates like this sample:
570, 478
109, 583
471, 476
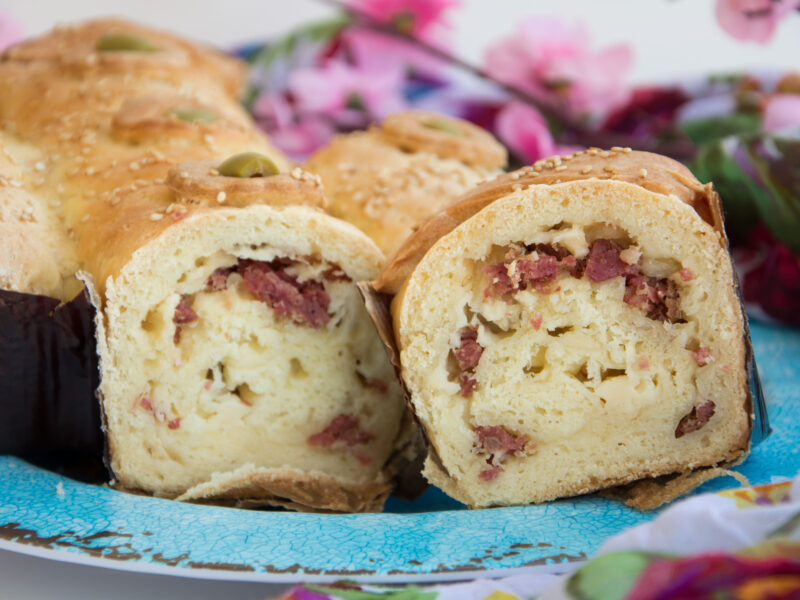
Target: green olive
248, 164
193, 115
442, 125
124, 42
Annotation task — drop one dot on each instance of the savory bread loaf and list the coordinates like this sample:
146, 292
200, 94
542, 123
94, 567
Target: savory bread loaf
390, 178
237, 361
572, 326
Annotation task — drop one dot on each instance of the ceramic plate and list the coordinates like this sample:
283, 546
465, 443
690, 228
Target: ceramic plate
433, 538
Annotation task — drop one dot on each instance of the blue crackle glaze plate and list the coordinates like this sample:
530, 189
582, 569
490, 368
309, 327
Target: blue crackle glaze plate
433, 538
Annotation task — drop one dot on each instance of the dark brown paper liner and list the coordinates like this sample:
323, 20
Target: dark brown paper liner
48, 377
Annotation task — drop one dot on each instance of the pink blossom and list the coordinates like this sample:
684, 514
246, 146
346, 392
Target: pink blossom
298, 137
526, 133
782, 112
345, 92
10, 31
552, 60
423, 19
376, 51
753, 20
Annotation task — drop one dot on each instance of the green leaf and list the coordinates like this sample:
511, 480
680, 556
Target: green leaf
608, 577
742, 199
782, 211
314, 32
702, 131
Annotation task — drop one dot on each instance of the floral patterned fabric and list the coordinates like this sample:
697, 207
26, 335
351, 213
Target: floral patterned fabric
546, 89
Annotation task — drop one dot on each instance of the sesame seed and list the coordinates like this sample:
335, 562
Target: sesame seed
89, 171
134, 166
627, 150
40, 166
514, 176
221, 197
605, 154
156, 216
585, 170
84, 218
14, 183
642, 172
618, 148
561, 168
209, 139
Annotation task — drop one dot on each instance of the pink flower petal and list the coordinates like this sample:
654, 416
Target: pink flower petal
10, 31
525, 131
551, 60
753, 20
782, 112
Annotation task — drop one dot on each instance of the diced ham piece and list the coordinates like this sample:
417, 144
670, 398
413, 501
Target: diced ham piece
536, 272
468, 354
604, 262
305, 302
491, 473
501, 283
702, 356
643, 363
536, 321
343, 429
695, 420
218, 280
183, 316
496, 438
468, 385
183, 312
498, 443
657, 298
335, 273
469, 351
145, 403
174, 423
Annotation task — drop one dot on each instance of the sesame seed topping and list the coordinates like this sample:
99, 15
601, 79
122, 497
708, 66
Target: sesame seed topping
84, 218
221, 197
156, 216
642, 172
208, 138
40, 166
561, 168
134, 166
587, 169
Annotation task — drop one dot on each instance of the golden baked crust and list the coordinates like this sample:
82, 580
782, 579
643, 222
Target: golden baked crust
388, 179
653, 172
119, 149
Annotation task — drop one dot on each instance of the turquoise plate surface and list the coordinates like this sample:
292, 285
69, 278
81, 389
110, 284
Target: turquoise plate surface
433, 538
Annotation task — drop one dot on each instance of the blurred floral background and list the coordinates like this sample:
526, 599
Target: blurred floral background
545, 87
